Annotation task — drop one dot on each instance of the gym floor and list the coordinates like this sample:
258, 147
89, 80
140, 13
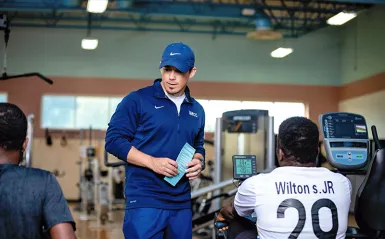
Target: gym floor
90, 229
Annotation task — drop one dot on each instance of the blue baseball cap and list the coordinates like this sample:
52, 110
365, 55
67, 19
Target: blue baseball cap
178, 55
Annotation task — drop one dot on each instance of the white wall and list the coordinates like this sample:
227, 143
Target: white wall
363, 48
128, 54
371, 106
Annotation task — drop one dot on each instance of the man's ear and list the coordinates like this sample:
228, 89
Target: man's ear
25, 144
192, 72
280, 155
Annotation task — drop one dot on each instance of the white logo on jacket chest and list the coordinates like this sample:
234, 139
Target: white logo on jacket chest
193, 114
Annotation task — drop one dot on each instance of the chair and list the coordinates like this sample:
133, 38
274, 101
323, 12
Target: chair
370, 199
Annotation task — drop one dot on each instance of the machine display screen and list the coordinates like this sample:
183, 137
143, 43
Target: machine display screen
242, 121
348, 145
244, 166
348, 126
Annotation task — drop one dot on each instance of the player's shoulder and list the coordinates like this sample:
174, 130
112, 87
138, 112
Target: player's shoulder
335, 175
269, 174
260, 178
32, 175
38, 173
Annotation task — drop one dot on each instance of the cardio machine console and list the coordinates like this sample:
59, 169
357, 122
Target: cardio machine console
242, 121
244, 166
346, 140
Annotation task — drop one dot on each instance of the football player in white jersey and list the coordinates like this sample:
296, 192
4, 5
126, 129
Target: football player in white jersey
297, 199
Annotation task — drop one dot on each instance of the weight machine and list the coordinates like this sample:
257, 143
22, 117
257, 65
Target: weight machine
91, 186
96, 186
115, 196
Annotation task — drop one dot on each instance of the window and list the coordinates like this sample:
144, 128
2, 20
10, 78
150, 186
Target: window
284, 110
92, 112
3, 97
75, 112
279, 110
58, 112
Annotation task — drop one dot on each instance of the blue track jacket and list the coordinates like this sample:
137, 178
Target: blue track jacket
148, 120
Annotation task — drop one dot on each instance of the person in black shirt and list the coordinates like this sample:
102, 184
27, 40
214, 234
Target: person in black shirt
32, 204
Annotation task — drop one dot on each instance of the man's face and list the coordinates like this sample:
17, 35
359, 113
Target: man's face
175, 81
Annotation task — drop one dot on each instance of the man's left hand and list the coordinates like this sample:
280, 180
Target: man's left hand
194, 169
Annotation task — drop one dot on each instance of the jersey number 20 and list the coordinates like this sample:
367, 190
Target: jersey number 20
315, 217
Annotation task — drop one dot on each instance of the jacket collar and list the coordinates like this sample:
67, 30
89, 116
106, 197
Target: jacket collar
159, 92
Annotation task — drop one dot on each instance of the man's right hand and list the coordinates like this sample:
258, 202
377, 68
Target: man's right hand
220, 219
164, 166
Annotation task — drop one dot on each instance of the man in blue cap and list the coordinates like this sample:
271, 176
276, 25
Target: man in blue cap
148, 130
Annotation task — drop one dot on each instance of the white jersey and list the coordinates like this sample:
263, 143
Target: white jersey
296, 202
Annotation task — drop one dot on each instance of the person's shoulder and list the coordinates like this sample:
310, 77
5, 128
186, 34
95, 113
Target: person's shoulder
342, 178
140, 92
136, 95
334, 176
40, 172
255, 179
147, 90
270, 172
197, 105
331, 173
34, 173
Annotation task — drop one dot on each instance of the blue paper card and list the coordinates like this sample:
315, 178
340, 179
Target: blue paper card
184, 157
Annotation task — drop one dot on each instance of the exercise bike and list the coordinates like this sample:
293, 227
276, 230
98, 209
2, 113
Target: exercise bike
244, 166
348, 149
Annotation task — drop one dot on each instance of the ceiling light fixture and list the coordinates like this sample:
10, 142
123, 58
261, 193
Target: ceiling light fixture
97, 6
341, 18
89, 43
281, 52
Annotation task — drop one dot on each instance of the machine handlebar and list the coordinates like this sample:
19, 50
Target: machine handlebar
375, 137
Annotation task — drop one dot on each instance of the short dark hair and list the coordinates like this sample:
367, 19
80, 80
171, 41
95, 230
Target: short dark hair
298, 138
13, 127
